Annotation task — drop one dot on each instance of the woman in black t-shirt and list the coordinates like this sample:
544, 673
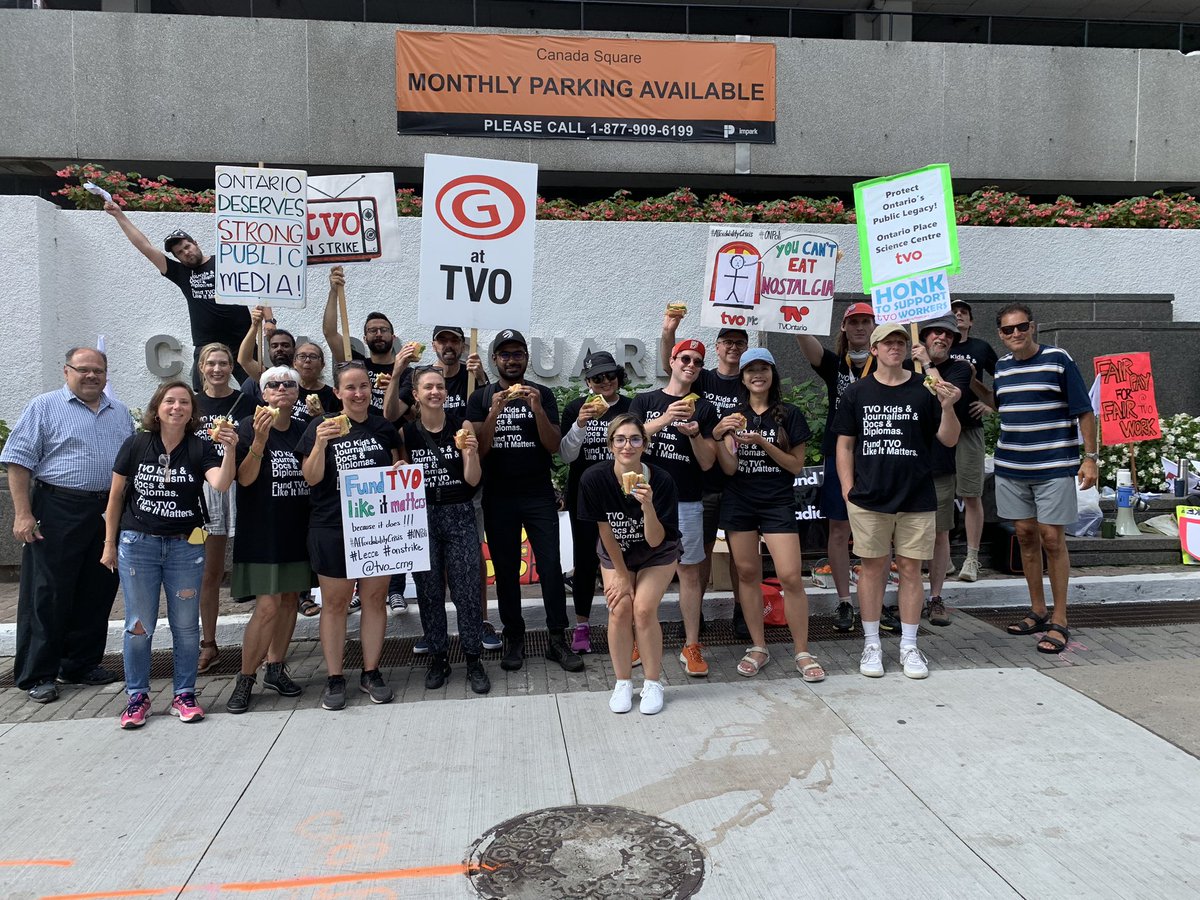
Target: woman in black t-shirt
310, 363
448, 452
270, 558
155, 537
639, 549
325, 451
760, 445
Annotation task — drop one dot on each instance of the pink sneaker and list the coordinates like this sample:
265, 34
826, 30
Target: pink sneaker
581, 639
186, 707
136, 712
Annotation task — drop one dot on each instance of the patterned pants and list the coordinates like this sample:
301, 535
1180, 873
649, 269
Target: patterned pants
454, 558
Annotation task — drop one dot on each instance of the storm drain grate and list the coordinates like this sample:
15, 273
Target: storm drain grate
586, 852
1104, 615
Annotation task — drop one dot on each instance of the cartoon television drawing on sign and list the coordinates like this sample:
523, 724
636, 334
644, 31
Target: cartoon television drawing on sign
343, 229
737, 276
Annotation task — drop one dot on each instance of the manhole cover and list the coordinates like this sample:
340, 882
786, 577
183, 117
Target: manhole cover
586, 851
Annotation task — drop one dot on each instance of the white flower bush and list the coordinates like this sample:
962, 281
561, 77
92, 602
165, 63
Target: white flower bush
1180, 437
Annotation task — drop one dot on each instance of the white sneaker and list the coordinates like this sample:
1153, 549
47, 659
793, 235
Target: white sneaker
969, 570
871, 663
621, 700
652, 698
914, 662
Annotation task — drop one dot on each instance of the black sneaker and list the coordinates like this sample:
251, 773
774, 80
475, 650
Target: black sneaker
239, 700
96, 675
889, 619
438, 672
355, 603
477, 676
44, 692
335, 693
277, 679
514, 654
371, 682
843, 619
559, 651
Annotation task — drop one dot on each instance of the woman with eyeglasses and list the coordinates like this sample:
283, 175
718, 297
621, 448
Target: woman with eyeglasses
636, 511
155, 539
760, 446
326, 452
445, 447
584, 444
310, 363
270, 558
217, 406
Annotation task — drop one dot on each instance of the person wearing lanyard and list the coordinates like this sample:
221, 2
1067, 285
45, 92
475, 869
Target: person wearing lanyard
155, 538
59, 457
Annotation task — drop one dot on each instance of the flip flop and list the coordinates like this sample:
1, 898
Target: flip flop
1057, 645
748, 665
1023, 627
811, 671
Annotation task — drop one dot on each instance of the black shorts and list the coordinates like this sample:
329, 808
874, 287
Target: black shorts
712, 515
738, 514
642, 556
326, 552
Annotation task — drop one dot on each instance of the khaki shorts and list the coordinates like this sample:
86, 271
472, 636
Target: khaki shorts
944, 485
913, 533
968, 462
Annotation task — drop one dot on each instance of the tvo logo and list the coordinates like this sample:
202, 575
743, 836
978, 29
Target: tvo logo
480, 207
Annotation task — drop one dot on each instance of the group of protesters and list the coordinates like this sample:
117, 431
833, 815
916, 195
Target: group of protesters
652, 480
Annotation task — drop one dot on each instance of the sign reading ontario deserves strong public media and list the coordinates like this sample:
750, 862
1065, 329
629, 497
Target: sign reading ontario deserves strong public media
502, 85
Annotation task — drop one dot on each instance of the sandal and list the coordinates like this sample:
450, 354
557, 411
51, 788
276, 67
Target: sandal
748, 665
1030, 624
210, 655
1057, 645
309, 607
811, 670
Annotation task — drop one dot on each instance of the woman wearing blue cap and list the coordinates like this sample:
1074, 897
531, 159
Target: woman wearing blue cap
760, 445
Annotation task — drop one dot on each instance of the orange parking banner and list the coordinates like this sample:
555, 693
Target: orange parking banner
502, 85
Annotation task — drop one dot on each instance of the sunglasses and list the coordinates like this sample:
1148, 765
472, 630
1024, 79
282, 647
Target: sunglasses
421, 370
604, 376
1022, 327
351, 364
621, 440
691, 360
285, 385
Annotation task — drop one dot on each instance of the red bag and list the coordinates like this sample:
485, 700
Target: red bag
772, 593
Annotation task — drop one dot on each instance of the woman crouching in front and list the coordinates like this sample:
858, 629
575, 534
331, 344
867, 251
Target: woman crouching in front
157, 507
636, 509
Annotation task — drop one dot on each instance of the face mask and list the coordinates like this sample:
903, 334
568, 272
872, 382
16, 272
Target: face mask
858, 356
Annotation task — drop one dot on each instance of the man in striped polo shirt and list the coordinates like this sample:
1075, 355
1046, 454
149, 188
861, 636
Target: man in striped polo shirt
1040, 395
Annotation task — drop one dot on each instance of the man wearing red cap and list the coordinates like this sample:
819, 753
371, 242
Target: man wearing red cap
680, 432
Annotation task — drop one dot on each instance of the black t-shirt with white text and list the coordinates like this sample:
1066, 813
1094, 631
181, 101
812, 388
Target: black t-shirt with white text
601, 499
839, 374
211, 322
978, 353
958, 373
442, 463
272, 512
672, 449
722, 391
369, 444
209, 409
374, 370
517, 462
456, 391
894, 428
595, 440
163, 500
759, 480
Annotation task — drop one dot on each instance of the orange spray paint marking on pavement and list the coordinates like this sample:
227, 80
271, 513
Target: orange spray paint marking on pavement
60, 863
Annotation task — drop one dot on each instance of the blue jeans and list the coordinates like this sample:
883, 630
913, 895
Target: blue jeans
148, 564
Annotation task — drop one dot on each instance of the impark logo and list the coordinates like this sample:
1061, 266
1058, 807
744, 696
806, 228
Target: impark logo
480, 207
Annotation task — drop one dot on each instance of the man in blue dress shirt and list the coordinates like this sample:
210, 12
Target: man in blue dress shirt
60, 457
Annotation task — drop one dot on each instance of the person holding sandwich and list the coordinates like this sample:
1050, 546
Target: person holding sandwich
584, 444
679, 424
635, 510
356, 439
378, 336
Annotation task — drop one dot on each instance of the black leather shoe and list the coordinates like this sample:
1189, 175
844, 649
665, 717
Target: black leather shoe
438, 672
514, 654
559, 651
46, 692
477, 676
96, 675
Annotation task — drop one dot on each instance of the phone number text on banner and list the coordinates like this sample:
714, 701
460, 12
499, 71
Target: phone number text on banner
587, 128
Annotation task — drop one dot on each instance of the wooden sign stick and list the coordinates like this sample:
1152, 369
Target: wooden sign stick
474, 349
341, 303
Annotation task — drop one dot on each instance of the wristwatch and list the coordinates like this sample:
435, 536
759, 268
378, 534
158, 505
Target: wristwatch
271, 321
1094, 457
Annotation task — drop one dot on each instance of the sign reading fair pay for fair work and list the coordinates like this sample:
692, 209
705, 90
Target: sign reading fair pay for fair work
385, 528
477, 243
906, 225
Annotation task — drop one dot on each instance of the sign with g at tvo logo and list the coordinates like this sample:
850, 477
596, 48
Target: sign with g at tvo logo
477, 242
906, 225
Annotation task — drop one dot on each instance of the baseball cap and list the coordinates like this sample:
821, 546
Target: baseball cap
508, 336
945, 323
693, 345
726, 332
598, 363
758, 354
962, 303
858, 309
175, 237
887, 329
438, 329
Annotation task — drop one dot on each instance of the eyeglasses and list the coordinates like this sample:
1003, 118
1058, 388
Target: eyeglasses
690, 360
165, 461
604, 376
621, 440
511, 355
86, 370
285, 385
736, 345
309, 357
1022, 327
382, 329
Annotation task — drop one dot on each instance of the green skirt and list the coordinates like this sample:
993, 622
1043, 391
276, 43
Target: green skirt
252, 579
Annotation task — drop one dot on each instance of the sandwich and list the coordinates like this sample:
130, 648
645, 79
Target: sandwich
313, 403
460, 437
676, 310
214, 430
382, 380
418, 348
343, 423
274, 411
630, 480
741, 422
691, 399
598, 403
931, 383
516, 392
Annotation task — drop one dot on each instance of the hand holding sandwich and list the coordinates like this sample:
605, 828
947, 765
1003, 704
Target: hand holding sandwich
731, 424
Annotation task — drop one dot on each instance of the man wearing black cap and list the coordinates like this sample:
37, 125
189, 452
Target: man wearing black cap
195, 274
518, 434
449, 345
